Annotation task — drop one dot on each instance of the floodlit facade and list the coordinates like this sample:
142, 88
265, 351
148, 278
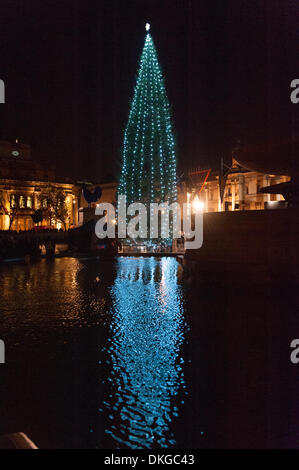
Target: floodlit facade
22, 181
241, 191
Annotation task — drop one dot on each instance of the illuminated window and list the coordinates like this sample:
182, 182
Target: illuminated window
22, 202
45, 203
13, 203
29, 203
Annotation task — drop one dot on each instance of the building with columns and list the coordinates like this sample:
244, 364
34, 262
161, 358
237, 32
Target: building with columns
240, 191
22, 180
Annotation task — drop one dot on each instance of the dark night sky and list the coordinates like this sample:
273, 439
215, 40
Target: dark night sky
70, 67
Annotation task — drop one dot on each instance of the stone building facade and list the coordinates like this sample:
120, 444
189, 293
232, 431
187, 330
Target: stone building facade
241, 191
22, 180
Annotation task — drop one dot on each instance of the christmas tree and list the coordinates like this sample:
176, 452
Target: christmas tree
149, 158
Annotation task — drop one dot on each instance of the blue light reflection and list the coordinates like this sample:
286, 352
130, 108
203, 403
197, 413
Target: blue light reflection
147, 332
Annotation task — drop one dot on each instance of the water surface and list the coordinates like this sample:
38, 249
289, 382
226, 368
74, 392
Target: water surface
129, 353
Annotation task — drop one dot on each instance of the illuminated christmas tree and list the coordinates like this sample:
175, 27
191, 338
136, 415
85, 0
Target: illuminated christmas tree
149, 157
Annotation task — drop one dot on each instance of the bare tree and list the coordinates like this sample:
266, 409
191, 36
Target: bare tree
53, 204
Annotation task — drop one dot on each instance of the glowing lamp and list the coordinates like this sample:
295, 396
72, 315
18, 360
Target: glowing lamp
197, 204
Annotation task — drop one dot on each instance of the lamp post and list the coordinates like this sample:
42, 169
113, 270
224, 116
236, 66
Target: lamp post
74, 212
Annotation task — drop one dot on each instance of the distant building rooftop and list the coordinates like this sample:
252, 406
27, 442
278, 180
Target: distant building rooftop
16, 163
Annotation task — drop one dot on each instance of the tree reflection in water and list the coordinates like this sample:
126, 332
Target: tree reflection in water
144, 351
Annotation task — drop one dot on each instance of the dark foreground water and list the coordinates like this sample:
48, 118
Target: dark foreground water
129, 354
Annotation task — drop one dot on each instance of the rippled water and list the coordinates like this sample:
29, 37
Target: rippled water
144, 350
124, 322
128, 353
